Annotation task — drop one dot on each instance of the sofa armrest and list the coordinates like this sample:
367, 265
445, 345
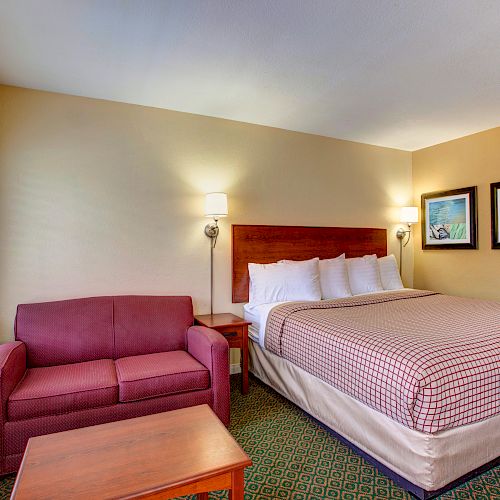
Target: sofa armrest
12, 369
211, 349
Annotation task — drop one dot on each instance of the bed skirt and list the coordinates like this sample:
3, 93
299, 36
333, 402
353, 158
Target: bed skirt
429, 461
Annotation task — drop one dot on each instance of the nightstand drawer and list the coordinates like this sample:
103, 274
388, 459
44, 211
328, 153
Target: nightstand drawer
233, 335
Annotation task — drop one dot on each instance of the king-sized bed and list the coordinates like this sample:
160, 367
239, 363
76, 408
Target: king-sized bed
409, 378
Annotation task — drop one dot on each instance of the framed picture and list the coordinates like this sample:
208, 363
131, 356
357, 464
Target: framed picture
449, 219
495, 215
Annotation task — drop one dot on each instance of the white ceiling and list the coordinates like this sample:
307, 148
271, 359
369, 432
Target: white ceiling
398, 73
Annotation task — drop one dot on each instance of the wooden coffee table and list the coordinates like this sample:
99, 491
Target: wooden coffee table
166, 455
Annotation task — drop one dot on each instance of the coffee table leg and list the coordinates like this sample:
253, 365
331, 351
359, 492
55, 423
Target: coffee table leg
237, 491
202, 496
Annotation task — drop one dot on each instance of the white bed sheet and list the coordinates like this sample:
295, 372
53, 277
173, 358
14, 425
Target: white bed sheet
258, 316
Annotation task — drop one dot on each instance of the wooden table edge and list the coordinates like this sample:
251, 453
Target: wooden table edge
173, 486
200, 319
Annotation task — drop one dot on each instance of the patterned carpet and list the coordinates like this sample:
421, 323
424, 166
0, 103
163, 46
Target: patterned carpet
294, 458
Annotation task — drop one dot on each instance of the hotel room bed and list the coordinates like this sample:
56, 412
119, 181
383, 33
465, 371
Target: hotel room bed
411, 378
379, 383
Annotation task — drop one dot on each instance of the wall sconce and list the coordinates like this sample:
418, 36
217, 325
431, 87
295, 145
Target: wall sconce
215, 207
409, 215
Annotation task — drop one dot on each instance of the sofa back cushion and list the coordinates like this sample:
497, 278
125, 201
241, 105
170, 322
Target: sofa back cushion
148, 324
66, 331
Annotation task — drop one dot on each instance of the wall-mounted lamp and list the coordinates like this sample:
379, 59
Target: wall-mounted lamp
409, 215
215, 207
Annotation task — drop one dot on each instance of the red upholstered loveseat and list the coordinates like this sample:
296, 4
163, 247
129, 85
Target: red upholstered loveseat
88, 361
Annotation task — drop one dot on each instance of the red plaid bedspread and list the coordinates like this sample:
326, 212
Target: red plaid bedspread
427, 360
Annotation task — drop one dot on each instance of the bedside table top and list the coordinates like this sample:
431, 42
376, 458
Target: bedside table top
220, 320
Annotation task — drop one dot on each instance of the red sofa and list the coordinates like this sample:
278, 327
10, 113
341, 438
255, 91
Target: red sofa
89, 361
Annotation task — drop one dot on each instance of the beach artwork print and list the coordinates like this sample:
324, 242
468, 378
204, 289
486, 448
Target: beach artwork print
449, 219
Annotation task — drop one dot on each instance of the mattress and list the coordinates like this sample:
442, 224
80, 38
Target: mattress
258, 316
430, 461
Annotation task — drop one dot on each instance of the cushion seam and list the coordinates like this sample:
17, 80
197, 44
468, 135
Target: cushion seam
167, 394
63, 394
164, 375
56, 412
117, 369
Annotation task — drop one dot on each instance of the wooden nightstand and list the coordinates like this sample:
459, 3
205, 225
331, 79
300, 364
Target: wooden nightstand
235, 330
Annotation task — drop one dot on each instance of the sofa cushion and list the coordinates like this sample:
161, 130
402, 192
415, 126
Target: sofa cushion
150, 375
148, 324
61, 389
66, 331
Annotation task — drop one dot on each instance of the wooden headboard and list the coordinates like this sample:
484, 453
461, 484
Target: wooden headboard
265, 244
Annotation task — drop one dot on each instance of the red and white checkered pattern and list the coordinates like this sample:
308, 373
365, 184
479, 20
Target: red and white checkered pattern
429, 361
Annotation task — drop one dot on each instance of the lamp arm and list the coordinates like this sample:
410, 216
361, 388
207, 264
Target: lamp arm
409, 237
401, 235
212, 231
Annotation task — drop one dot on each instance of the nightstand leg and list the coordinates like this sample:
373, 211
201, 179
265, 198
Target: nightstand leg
244, 363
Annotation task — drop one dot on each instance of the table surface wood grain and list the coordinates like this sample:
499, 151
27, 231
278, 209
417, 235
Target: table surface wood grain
136, 458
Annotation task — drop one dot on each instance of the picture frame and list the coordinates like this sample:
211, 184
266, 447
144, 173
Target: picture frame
449, 219
495, 215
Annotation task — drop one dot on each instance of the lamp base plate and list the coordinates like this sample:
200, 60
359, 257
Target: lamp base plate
212, 230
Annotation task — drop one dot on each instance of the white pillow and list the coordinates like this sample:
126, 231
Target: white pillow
389, 273
284, 281
364, 276
333, 278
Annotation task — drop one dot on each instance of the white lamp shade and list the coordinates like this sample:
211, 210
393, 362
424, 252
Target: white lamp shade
408, 215
215, 205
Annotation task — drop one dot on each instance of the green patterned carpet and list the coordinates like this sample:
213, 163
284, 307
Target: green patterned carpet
294, 458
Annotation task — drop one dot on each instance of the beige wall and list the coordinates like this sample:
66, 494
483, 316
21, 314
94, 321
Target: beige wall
100, 198
470, 161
